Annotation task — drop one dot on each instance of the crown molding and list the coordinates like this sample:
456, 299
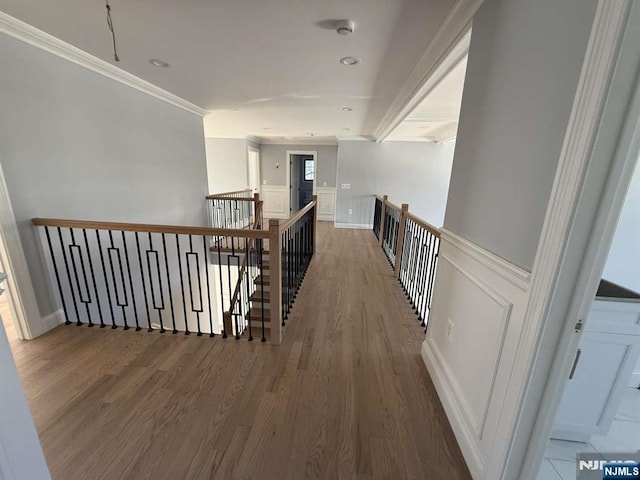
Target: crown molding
286, 141
28, 34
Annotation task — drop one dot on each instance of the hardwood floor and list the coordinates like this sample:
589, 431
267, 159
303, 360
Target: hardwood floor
346, 395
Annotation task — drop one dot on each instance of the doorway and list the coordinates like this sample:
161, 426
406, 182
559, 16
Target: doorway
253, 164
301, 178
599, 413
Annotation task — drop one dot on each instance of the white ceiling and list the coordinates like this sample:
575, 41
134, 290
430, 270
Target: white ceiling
267, 68
435, 119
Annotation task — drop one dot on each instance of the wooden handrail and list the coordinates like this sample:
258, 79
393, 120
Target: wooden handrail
237, 199
222, 194
427, 226
290, 221
394, 206
149, 228
379, 198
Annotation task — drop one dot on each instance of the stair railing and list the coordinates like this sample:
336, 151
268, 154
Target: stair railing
241, 314
237, 209
292, 244
412, 247
158, 277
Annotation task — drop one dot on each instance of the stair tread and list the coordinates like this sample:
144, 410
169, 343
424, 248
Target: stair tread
256, 313
258, 297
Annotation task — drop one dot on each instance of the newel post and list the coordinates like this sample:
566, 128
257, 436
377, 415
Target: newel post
315, 222
403, 222
382, 213
275, 285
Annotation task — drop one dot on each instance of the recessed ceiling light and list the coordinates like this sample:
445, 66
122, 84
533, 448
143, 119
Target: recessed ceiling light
311, 134
156, 62
266, 128
235, 109
347, 109
349, 61
346, 129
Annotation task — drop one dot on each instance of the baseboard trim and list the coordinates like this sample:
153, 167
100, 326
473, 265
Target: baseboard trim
355, 226
455, 415
326, 218
51, 321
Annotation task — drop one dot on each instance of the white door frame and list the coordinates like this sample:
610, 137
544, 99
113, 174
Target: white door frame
255, 150
599, 153
314, 154
19, 286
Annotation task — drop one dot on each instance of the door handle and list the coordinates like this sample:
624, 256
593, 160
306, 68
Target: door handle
575, 364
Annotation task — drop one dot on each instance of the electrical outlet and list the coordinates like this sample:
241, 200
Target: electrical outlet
450, 330
351, 211
264, 182
345, 186
324, 184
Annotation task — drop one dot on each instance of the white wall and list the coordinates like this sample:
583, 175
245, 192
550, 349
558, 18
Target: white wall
524, 63
623, 262
21, 455
416, 173
75, 144
226, 164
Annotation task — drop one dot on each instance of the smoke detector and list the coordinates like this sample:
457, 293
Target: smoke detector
345, 27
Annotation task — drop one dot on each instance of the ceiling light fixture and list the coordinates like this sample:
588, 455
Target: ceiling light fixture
347, 109
156, 62
349, 61
266, 128
346, 129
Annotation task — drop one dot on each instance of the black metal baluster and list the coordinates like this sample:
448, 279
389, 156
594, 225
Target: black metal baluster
106, 281
133, 295
424, 263
57, 274
115, 283
249, 288
144, 287
66, 265
434, 263
87, 301
205, 252
166, 265
224, 327
157, 308
195, 310
93, 277
184, 301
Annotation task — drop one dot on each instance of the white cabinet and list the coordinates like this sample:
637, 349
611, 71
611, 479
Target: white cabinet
608, 354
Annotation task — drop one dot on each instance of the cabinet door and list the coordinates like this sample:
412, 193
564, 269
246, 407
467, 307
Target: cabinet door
592, 396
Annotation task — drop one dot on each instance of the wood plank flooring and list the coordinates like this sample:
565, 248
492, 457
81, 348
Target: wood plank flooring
345, 396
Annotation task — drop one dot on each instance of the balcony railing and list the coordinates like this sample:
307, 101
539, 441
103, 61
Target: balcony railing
411, 246
202, 280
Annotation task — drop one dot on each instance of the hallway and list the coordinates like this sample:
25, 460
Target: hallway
346, 395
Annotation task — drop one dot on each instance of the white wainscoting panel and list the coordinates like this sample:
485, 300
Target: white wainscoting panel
274, 198
326, 203
475, 322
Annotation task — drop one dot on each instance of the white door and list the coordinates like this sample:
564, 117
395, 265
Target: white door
254, 170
